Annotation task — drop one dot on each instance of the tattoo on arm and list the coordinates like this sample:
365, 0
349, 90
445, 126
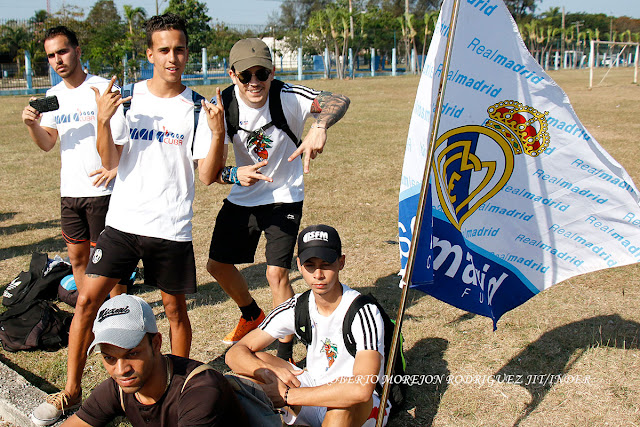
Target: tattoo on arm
93, 276
329, 107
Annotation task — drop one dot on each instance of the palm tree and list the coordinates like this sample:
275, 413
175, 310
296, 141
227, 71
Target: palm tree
430, 19
134, 16
14, 39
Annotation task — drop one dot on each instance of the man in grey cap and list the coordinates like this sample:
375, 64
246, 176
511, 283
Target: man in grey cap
147, 387
264, 120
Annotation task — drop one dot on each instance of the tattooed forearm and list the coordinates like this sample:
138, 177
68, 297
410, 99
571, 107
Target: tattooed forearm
329, 107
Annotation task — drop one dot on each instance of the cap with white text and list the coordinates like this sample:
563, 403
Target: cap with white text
123, 321
319, 241
247, 53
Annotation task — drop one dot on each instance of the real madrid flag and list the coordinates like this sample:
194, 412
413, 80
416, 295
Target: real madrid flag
522, 195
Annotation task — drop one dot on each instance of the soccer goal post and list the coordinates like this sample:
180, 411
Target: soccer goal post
617, 59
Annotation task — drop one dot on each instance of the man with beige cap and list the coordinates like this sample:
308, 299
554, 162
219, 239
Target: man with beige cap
264, 120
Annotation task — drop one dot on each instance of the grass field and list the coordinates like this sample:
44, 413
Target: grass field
585, 329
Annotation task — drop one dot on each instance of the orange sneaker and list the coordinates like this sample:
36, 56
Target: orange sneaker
243, 327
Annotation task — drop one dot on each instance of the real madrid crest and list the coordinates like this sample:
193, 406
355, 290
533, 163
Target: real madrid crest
473, 163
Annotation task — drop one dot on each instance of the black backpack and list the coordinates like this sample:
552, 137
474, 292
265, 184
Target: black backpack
398, 390
35, 324
232, 112
40, 282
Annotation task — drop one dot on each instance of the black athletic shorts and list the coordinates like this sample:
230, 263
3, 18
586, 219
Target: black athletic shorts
238, 228
168, 264
82, 218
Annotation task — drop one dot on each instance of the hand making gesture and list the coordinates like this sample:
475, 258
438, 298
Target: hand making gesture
215, 113
249, 175
311, 145
109, 101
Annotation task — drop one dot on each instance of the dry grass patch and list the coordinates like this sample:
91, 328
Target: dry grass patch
586, 326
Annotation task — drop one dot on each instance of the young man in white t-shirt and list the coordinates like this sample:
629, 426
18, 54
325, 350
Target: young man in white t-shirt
85, 185
337, 389
269, 193
150, 212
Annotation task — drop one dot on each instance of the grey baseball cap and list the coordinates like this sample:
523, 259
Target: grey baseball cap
123, 321
247, 53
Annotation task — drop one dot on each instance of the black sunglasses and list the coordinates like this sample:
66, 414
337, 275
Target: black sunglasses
262, 74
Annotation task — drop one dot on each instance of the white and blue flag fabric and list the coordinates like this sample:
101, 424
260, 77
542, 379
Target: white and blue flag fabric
521, 195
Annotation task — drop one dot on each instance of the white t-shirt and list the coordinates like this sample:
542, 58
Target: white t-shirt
288, 184
327, 355
154, 189
75, 122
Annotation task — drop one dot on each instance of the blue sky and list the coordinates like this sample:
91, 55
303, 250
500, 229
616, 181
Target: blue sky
255, 12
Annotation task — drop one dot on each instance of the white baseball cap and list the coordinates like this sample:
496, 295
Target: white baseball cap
123, 321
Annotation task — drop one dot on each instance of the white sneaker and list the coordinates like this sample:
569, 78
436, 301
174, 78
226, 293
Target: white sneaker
49, 411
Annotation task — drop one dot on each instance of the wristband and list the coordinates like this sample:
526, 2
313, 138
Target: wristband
230, 175
286, 394
319, 127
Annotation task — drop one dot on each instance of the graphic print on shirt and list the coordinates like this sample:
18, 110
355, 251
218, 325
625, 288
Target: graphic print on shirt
260, 142
78, 116
330, 350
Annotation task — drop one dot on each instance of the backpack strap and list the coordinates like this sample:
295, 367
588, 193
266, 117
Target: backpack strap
277, 113
347, 334
196, 371
302, 319
197, 107
126, 91
232, 112
121, 398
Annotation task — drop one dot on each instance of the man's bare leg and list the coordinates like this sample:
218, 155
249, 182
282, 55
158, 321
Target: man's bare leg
278, 278
231, 281
79, 259
175, 308
353, 416
281, 290
93, 293
118, 289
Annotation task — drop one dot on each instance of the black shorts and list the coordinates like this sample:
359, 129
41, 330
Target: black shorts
238, 228
82, 218
168, 264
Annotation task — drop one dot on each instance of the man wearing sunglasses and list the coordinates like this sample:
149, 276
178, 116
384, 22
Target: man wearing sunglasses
269, 188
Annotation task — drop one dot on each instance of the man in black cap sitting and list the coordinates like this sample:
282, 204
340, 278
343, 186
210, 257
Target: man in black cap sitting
338, 388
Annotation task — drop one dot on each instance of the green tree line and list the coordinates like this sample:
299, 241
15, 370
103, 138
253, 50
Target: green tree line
106, 36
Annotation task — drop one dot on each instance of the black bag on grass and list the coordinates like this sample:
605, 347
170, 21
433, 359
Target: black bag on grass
40, 282
34, 325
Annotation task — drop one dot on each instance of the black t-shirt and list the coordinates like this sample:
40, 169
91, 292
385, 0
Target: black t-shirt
207, 400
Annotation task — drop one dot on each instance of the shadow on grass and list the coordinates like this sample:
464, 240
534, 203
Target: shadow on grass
18, 228
4, 216
426, 359
555, 353
50, 245
32, 378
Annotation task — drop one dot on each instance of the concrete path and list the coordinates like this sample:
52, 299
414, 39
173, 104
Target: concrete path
17, 398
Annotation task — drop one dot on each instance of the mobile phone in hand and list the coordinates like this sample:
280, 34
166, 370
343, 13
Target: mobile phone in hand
48, 103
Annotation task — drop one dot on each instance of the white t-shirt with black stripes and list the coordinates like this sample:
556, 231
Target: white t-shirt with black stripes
288, 184
327, 356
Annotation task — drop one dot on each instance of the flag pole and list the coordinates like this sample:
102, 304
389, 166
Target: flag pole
406, 280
